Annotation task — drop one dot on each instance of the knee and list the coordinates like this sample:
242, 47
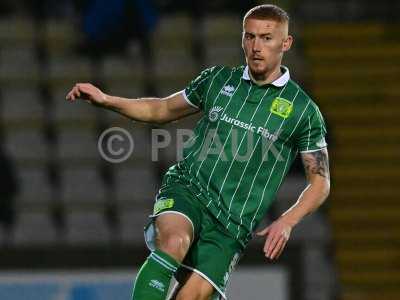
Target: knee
175, 244
195, 294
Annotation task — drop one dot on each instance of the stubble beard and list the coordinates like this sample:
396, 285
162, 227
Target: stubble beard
259, 74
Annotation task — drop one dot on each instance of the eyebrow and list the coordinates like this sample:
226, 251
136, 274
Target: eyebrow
262, 34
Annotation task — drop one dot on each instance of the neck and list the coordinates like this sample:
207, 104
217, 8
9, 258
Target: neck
268, 77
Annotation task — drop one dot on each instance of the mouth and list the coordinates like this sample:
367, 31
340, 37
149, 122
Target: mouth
257, 59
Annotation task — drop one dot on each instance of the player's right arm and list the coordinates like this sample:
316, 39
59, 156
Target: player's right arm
151, 110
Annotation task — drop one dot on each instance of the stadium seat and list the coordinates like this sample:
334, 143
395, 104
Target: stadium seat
20, 33
16, 144
123, 68
82, 186
169, 154
136, 190
364, 154
173, 30
141, 136
318, 262
136, 186
14, 60
86, 227
77, 144
223, 54
169, 60
65, 69
21, 104
18, 55
222, 33
34, 228
132, 224
34, 188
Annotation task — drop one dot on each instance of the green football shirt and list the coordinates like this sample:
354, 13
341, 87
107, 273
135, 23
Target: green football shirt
245, 143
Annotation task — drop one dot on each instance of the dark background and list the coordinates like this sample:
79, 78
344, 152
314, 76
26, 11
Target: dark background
64, 207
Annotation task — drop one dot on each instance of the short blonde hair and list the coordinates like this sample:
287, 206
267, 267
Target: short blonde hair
267, 12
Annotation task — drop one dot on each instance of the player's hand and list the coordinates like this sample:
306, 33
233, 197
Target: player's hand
277, 234
88, 92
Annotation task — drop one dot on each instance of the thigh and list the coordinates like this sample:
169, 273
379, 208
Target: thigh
175, 211
173, 223
174, 235
214, 256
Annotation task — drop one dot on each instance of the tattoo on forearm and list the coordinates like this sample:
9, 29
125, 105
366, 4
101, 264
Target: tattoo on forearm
316, 163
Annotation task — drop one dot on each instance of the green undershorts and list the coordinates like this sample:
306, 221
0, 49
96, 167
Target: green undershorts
213, 253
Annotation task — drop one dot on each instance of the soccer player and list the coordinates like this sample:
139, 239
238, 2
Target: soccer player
211, 202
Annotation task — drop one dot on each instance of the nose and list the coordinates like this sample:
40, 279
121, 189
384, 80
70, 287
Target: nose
256, 47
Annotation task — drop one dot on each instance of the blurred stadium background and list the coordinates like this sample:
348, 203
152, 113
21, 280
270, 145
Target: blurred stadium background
71, 222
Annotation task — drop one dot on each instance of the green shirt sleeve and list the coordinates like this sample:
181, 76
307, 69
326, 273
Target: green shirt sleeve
196, 92
312, 133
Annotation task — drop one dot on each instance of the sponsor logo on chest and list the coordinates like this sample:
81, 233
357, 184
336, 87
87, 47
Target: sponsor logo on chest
216, 113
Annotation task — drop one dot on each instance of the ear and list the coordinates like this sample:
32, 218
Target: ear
242, 44
287, 43
242, 40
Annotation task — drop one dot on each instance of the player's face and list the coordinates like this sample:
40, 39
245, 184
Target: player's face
264, 42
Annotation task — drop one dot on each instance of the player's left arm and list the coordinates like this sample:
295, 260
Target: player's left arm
316, 165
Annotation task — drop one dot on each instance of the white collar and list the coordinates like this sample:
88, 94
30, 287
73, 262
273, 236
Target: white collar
279, 82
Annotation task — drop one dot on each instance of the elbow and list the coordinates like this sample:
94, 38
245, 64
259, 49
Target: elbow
154, 118
325, 189
321, 188
159, 115
159, 120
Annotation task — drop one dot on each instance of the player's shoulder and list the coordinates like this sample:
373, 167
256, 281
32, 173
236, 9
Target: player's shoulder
234, 71
223, 71
302, 98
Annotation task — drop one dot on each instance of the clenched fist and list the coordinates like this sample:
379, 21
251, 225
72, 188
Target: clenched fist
88, 92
